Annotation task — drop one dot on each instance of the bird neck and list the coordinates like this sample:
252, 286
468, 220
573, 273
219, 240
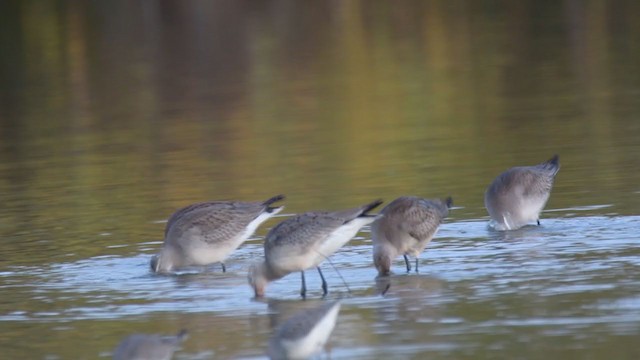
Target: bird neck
269, 273
383, 255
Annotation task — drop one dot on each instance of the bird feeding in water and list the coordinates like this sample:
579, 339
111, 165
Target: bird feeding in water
406, 227
304, 241
205, 233
517, 196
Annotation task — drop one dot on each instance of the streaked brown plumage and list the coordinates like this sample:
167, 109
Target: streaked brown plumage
205, 233
406, 227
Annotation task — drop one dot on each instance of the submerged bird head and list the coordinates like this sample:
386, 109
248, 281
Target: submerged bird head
165, 261
261, 274
258, 278
383, 255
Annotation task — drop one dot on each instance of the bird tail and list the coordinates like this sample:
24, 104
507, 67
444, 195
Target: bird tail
552, 165
366, 208
272, 200
449, 202
182, 335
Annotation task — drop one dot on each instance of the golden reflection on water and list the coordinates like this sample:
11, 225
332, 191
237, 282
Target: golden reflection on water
114, 114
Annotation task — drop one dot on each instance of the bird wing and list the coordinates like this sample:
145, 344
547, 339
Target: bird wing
302, 232
215, 221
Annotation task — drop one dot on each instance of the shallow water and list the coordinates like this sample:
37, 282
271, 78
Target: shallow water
115, 114
566, 288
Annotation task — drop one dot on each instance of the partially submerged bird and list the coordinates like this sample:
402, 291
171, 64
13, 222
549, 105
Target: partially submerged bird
407, 226
304, 334
304, 241
148, 346
205, 233
517, 196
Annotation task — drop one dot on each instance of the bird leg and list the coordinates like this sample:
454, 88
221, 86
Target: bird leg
324, 283
303, 290
224, 268
416, 264
384, 292
538, 221
406, 261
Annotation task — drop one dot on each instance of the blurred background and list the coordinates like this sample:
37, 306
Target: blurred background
113, 114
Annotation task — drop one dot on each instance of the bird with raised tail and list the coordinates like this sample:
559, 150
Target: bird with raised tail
206, 233
304, 241
406, 227
304, 334
148, 346
517, 196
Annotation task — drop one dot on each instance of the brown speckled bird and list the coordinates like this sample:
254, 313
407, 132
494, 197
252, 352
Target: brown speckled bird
406, 227
205, 233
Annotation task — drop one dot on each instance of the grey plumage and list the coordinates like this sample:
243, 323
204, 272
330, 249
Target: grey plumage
304, 334
517, 196
301, 233
304, 241
148, 346
219, 220
208, 232
406, 227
